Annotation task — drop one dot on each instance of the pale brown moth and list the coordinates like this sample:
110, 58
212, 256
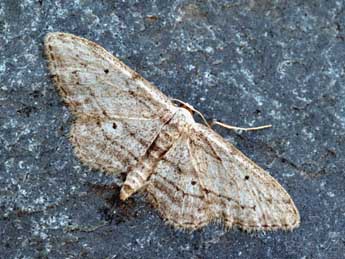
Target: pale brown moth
189, 173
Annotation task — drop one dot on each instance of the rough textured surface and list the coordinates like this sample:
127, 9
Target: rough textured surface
246, 63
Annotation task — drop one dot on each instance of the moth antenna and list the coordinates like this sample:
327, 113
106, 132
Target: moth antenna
238, 128
191, 108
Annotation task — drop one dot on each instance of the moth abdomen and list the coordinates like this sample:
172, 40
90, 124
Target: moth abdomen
138, 176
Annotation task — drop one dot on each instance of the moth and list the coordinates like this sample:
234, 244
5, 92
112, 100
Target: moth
188, 172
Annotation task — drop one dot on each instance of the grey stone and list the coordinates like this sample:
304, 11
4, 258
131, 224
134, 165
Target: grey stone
245, 63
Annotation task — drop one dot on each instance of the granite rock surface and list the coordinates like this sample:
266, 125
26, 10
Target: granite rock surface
246, 63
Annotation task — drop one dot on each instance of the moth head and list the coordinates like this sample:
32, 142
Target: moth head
184, 118
189, 108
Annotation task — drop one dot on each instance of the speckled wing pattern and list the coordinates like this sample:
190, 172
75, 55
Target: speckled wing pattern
188, 172
118, 113
222, 184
